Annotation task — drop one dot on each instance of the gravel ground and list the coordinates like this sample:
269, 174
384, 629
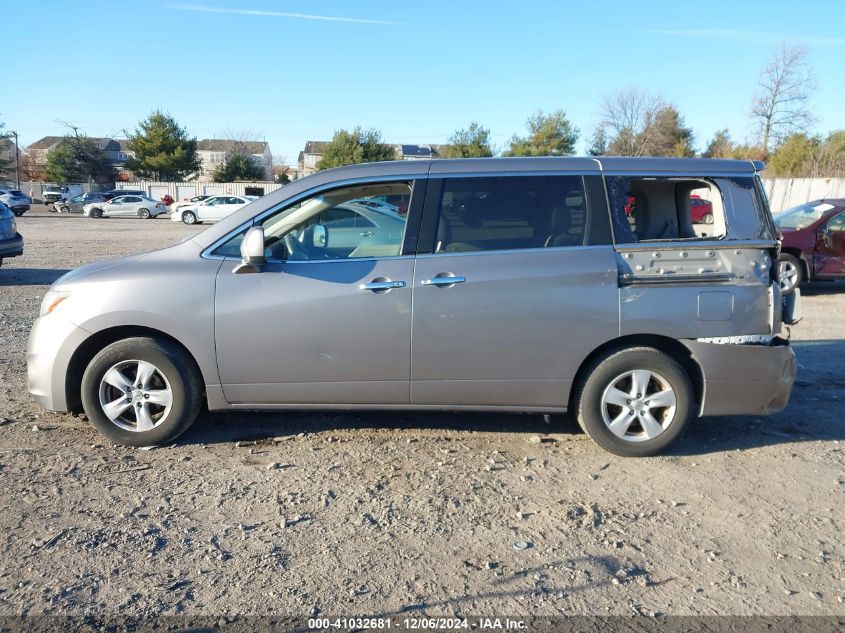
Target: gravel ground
378, 513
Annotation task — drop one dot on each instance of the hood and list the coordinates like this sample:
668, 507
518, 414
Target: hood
174, 256
95, 267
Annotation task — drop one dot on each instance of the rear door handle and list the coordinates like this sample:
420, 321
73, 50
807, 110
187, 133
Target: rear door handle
443, 280
382, 285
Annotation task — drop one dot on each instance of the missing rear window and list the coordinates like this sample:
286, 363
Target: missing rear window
650, 209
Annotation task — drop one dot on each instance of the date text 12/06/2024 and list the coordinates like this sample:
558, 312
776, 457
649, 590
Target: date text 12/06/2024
419, 624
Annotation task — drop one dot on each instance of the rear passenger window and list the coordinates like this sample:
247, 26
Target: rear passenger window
649, 209
513, 212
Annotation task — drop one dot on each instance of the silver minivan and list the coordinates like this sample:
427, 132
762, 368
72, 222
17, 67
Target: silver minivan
516, 284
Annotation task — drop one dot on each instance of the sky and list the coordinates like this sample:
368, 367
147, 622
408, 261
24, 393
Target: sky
288, 71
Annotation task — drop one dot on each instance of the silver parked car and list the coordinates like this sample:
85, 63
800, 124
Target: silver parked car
16, 200
125, 206
517, 284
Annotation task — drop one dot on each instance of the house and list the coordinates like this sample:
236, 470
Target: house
310, 157
39, 149
116, 151
212, 154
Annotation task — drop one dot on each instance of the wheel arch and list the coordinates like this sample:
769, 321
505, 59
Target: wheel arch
670, 346
93, 344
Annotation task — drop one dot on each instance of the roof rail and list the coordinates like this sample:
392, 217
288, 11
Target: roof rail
759, 165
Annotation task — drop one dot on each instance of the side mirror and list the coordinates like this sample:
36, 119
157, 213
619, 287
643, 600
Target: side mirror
319, 236
252, 252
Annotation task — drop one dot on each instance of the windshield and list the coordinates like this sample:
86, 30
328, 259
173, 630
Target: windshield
802, 215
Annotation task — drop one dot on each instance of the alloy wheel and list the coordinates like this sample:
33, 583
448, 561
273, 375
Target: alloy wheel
638, 405
135, 395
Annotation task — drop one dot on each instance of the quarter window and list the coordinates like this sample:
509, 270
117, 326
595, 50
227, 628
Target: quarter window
511, 212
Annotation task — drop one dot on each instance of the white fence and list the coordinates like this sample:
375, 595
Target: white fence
788, 192
184, 190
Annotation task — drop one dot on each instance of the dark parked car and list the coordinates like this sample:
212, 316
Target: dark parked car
11, 242
16, 200
75, 204
813, 243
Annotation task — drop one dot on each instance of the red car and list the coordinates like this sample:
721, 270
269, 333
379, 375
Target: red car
813, 243
701, 210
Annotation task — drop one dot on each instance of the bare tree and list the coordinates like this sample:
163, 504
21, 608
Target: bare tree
637, 123
780, 106
627, 115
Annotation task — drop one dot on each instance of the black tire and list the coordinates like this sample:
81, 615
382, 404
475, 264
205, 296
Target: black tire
171, 362
707, 218
96, 213
189, 217
18, 213
144, 214
790, 273
605, 372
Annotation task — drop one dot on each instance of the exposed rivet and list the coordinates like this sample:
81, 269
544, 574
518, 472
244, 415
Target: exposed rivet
629, 402
683, 254
146, 396
657, 256
711, 254
640, 267
738, 252
629, 255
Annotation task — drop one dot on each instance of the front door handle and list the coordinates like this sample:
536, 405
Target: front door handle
443, 279
381, 285
368, 233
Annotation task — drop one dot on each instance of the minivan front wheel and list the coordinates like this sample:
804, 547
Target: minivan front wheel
635, 402
141, 391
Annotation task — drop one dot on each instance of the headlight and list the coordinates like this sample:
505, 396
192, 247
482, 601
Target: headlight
51, 301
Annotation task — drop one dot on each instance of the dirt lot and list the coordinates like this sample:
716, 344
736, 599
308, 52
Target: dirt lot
343, 514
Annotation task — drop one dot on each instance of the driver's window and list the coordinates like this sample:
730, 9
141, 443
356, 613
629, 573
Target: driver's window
333, 225
837, 224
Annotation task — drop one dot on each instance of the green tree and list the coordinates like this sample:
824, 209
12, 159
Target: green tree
78, 159
803, 156
671, 137
599, 144
720, 146
238, 165
473, 142
63, 164
163, 150
548, 135
349, 147
792, 157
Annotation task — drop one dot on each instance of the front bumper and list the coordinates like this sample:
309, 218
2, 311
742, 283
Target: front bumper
19, 208
12, 247
52, 342
744, 379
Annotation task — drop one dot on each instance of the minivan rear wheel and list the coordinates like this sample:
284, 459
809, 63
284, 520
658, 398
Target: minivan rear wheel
141, 391
635, 402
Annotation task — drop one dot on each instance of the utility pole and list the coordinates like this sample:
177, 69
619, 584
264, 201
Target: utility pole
17, 162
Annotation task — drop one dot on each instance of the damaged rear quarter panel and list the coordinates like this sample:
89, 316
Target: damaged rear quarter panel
696, 290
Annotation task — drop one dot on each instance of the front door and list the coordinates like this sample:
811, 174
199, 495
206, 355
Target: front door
319, 324
830, 248
515, 295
